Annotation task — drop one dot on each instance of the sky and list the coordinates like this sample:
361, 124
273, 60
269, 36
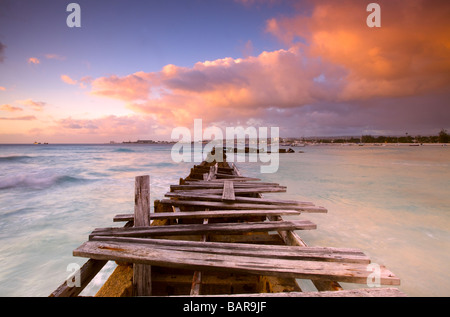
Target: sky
138, 69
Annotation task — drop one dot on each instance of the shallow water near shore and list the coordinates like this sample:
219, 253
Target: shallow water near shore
392, 202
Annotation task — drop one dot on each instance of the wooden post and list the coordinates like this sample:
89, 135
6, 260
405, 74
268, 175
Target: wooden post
142, 282
197, 279
142, 201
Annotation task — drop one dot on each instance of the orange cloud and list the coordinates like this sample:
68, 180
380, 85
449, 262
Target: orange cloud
409, 54
23, 118
68, 80
333, 57
216, 90
10, 108
33, 60
2, 88
131, 87
55, 56
35, 105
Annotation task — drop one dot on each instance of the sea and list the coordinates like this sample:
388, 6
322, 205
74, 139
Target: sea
392, 202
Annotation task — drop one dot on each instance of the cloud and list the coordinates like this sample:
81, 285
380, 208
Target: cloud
82, 82
35, 105
68, 80
55, 56
10, 108
105, 128
33, 60
406, 56
131, 87
2, 88
334, 72
23, 118
218, 90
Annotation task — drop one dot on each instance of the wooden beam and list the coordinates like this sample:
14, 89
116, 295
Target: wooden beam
273, 239
142, 273
213, 228
228, 191
234, 206
251, 250
305, 207
142, 201
219, 184
240, 190
212, 214
139, 253
197, 278
364, 292
234, 179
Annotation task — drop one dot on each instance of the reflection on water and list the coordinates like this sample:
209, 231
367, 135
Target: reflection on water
391, 202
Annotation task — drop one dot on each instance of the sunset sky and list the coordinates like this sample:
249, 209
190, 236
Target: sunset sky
137, 69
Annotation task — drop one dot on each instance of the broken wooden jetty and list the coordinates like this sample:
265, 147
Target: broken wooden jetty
215, 234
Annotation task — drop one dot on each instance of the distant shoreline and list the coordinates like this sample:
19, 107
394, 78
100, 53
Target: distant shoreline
281, 145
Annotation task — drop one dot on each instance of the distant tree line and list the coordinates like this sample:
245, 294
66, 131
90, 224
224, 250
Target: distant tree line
442, 137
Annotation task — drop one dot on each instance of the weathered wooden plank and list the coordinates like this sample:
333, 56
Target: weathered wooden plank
247, 238
212, 214
225, 176
234, 179
142, 274
86, 273
251, 250
219, 184
250, 200
216, 185
139, 253
197, 278
364, 292
196, 283
228, 191
223, 214
236, 206
240, 190
142, 201
189, 229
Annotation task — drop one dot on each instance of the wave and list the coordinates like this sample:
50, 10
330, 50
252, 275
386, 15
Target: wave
15, 158
122, 150
37, 181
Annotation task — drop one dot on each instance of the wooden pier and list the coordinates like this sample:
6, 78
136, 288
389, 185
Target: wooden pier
215, 234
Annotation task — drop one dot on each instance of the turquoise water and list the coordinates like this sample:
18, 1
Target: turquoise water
392, 202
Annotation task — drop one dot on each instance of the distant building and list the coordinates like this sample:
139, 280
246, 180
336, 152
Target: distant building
145, 142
